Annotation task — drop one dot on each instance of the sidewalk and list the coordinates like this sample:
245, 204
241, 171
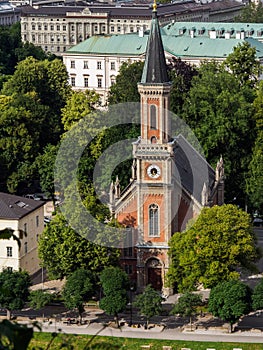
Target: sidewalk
154, 333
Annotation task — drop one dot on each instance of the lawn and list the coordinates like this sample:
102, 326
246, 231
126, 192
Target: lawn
80, 342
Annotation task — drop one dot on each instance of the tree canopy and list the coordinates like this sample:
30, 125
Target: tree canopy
230, 300
187, 305
78, 289
63, 251
149, 303
219, 243
14, 290
114, 282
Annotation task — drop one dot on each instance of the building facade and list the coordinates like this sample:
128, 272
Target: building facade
25, 218
94, 63
57, 28
171, 182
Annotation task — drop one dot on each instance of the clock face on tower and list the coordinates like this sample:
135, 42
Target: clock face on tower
153, 171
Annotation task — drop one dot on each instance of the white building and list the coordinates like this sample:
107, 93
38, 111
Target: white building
94, 63
26, 218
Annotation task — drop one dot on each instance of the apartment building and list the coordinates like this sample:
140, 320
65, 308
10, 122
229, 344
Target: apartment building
25, 217
58, 28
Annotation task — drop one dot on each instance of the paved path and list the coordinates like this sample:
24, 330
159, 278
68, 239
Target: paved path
166, 334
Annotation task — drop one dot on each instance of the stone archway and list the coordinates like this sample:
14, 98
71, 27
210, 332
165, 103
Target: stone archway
154, 273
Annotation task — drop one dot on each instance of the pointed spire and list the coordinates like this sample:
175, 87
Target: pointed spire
154, 70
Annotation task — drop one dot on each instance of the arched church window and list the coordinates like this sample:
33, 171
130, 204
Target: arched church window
153, 139
153, 220
153, 117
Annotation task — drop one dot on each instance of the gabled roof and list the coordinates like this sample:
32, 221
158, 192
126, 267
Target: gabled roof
193, 169
15, 207
154, 70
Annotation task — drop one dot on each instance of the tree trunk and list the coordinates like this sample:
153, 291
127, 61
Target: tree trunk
8, 314
230, 327
116, 320
191, 323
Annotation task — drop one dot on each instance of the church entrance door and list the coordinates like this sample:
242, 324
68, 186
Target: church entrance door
154, 273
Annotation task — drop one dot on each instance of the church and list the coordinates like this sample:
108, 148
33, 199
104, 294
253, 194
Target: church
171, 181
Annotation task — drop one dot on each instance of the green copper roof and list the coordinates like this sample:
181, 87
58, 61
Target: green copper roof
179, 46
129, 44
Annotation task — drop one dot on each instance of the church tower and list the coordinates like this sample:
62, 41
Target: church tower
153, 155
162, 195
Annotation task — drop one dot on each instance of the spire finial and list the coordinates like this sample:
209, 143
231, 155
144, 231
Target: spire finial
154, 6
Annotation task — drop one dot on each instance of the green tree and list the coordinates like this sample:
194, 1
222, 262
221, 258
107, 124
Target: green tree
125, 89
219, 242
220, 113
14, 336
115, 283
44, 163
181, 75
63, 251
38, 299
251, 13
14, 290
187, 305
230, 300
244, 64
78, 106
149, 303
254, 179
78, 289
257, 296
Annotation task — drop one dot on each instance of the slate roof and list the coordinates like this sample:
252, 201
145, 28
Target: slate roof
193, 169
133, 10
15, 207
154, 70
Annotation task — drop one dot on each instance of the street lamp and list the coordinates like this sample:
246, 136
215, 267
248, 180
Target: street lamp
131, 290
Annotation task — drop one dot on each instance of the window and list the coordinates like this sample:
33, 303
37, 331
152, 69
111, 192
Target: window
112, 65
25, 247
64, 27
119, 29
86, 64
52, 27
58, 48
103, 28
153, 220
95, 28
112, 28
128, 269
45, 26
9, 251
86, 81
33, 38
72, 64
99, 82
98, 65
153, 116
9, 268
58, 38
37, 221
128, 243
64, 38
33, 26
25, 228
131, 30
52, 38
72, 28
58, 27
112, 80
73, 81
